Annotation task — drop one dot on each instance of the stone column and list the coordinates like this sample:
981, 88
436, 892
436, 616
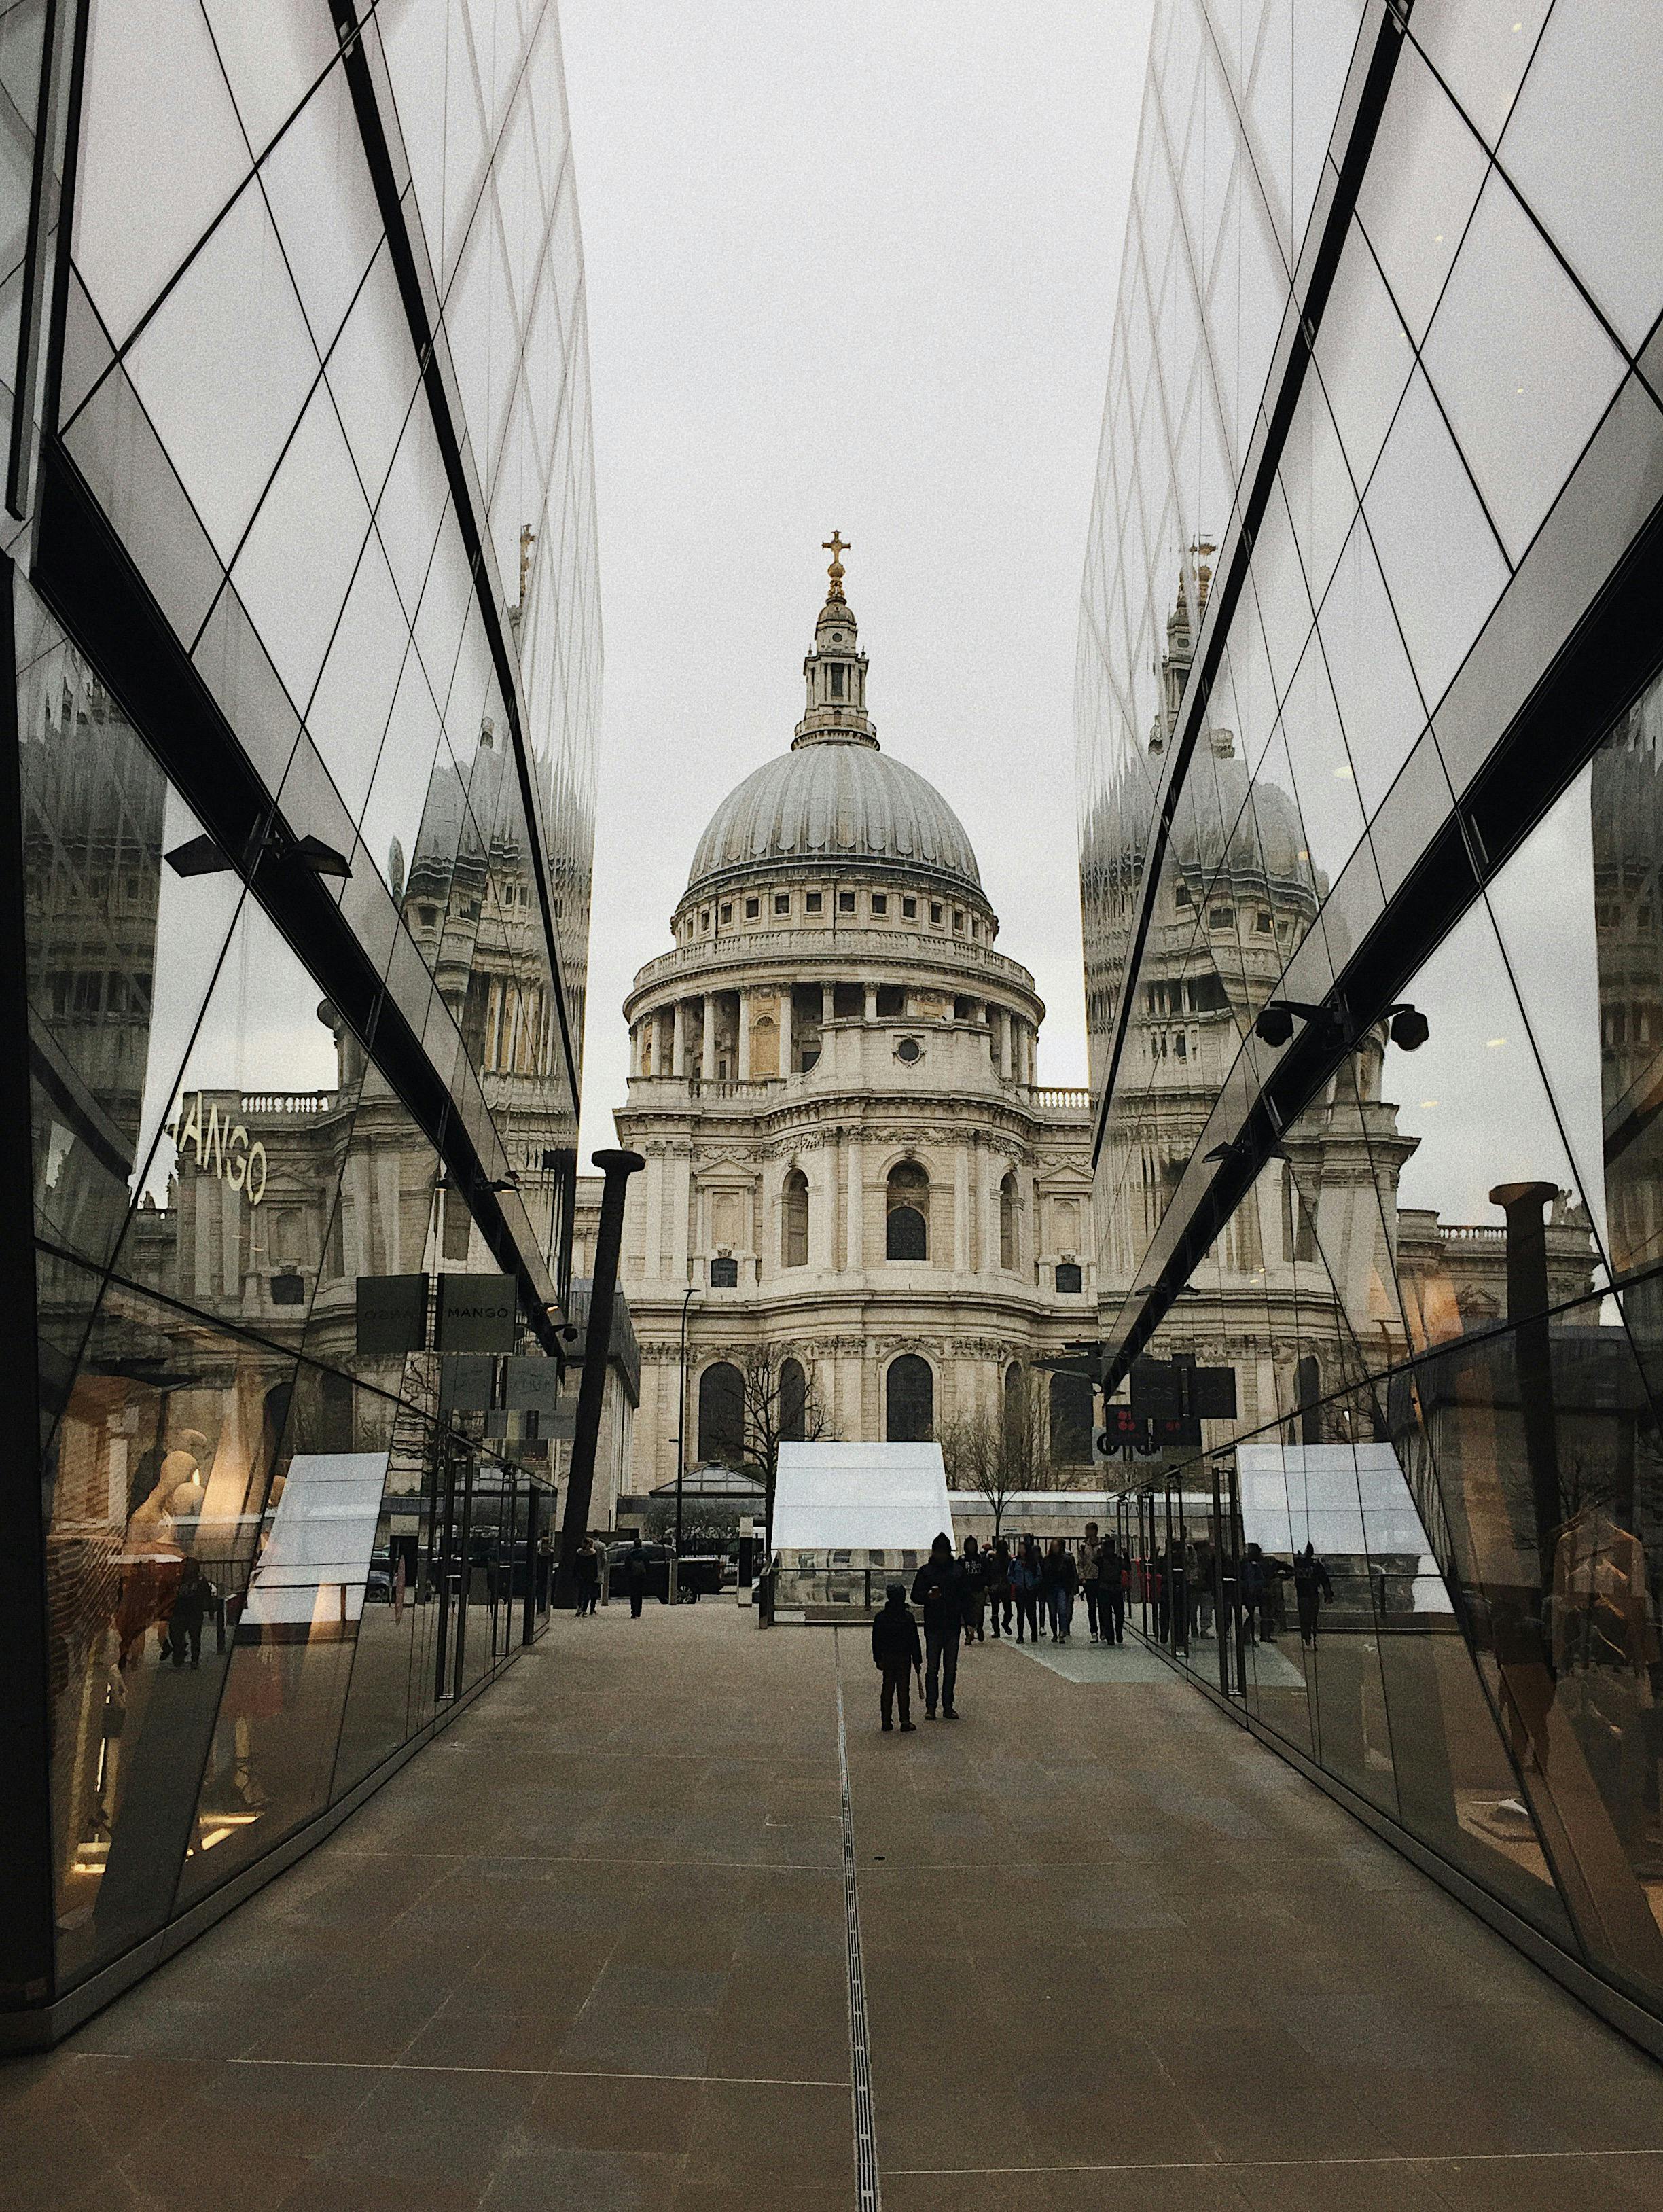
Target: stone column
825, 1005
744, 1069
787, 1048
679, 1039
961, 1260
871, 1002
1003, 1020
680, 1179
707, 1061
854, 1204
653, 1213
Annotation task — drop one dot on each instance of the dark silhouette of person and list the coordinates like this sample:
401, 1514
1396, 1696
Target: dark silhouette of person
1260, 1576
1312, 1591
999, 1584
896, 1655
1112, 1592
191, 1601
634, 1576
975, 1592
587, 1568
1027, 1572
939, 1587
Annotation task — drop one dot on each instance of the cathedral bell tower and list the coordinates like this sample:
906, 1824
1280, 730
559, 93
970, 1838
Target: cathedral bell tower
835, 672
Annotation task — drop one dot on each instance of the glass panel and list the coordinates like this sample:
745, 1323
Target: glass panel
1424, 178
1481, 49
312, 520
160, 152
1443, 583
224, 366
1523, 369
1582, 143
317, 182
157, 1474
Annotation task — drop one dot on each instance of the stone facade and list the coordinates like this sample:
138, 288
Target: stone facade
834, 1041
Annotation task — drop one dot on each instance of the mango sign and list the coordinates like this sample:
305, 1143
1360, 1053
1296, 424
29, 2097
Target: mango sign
222, 1147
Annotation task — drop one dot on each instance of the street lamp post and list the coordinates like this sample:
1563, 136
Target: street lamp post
681, 1416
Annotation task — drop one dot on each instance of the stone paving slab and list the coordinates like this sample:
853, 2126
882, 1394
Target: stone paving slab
588, 1949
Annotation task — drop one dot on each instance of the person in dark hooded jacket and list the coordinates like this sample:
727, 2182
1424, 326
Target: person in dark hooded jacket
939, 1587
896, 1655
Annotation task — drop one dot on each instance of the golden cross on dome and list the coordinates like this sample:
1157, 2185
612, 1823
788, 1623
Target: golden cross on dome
836, 546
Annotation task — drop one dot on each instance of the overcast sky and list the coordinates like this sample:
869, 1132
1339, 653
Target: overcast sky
848, 267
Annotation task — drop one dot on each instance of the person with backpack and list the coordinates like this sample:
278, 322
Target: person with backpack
998, 1585
1028, 1577
1062, 1579
1090, 1554
975, 1563
939, 1587
896, 1655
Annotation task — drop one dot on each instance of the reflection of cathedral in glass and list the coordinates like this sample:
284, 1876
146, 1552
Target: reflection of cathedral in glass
306, 658
1369, 836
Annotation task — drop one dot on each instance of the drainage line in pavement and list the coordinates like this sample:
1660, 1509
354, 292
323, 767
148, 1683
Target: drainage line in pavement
860, 2065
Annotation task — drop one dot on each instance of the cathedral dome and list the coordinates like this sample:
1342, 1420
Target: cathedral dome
836, 800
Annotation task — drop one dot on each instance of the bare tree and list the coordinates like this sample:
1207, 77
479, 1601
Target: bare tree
997, 1455
776, 1409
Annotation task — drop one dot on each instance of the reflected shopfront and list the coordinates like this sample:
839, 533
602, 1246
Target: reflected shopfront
296, 821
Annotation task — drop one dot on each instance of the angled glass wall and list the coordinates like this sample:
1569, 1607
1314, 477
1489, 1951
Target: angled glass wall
295, 810
1369, 720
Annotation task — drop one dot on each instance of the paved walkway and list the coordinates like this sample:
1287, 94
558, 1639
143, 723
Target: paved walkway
589, 1950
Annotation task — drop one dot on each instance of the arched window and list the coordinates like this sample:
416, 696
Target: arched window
793, 1401
909, 1400
907, 1229
1071, 1420
794, 1220
1307, 1393
1008, 1225
721, 1415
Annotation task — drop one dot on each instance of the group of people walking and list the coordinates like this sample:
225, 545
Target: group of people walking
956, 1593
1035, 1589
1032, 1590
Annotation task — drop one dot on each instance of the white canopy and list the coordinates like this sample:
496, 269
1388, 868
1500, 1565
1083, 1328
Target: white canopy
866, 1497
1344, 1499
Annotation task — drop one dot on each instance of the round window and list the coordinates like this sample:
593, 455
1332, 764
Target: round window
909, 1049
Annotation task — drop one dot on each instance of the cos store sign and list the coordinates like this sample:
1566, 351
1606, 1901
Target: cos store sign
220, 1147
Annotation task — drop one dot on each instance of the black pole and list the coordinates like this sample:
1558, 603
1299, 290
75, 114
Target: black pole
618, 1168
1525, 1205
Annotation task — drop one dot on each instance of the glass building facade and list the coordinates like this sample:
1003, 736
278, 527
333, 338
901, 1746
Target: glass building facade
296, 821
1371, 770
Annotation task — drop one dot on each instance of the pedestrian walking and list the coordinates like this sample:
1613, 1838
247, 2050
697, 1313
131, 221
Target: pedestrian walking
939, 1587
1111, 1568
1062, 1579
896, 1655
1201, 1586
1028, 1578
634, 1576
998, 1585
975, 1592
1090, 1557
586, 1566
1312, 1590
1260, 1577
191, 1601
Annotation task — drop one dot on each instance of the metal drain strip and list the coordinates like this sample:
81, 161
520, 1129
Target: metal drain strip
868, 2195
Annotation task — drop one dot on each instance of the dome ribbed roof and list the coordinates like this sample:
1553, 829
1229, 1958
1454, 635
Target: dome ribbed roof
835, 801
